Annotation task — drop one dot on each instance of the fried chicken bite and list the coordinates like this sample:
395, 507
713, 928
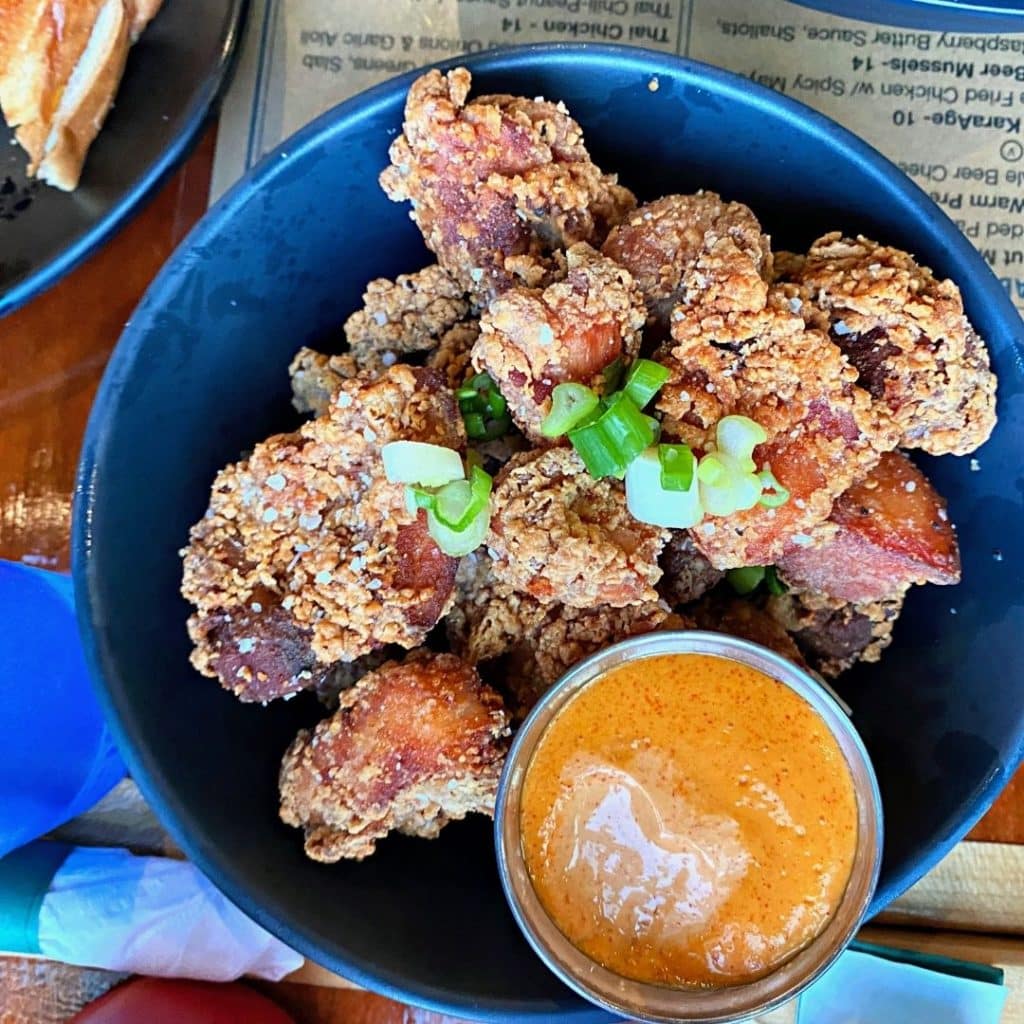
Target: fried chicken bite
409, 314
532, 340
307, 555
414, 745
531, 643
834, 635
905, 332
498, 183
682, 245
561, 536
452, 355
768, 365
316, 378
736, 616
686, 574
888, 531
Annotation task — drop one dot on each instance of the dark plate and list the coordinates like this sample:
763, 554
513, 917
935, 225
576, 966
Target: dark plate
174, 74
201, 374
934, 15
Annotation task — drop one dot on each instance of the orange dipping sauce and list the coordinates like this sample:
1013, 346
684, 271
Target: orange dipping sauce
688, 820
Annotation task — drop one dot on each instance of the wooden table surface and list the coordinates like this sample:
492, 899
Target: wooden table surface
52, 354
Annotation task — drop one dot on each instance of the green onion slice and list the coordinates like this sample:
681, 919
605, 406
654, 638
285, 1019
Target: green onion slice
571, 404
738, 436
774, 494
747, 579
644, 381
677, 466
484, 409
611, 442
457, 504
457, 543
772, 582
476, 428
415, 462
612, 375
417, 498
649, 502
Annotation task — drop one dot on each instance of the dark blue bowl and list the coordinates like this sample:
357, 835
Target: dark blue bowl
200, 374
970, 16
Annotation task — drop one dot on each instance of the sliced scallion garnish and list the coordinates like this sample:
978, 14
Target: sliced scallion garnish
571, 404
415, 462
459, 502
746, 580
774, 494
677, 466
611, 442
644, 381
772, 582
484, 409
612, 375
649, 502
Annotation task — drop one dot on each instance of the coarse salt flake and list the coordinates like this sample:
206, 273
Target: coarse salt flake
369, 435
310, 521
380, 318
975, 466
910, 486
276, 481
256, 607
802, 540
389, 359
269, 515
840, 328
246, 645
344, 400
476, 274
323, 576
795, 305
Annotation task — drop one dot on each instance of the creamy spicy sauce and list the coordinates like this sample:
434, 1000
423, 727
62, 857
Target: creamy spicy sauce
688, 820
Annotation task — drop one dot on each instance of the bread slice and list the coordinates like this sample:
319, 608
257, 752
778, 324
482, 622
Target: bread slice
86, 98
61, 62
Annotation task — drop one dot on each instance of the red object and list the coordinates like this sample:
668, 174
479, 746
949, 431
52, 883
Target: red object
162, 1001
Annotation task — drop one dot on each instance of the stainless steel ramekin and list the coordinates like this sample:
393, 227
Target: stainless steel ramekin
650, 1002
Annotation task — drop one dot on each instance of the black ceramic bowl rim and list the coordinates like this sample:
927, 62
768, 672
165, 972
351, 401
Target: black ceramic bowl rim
145, 186
929, 15
158, 788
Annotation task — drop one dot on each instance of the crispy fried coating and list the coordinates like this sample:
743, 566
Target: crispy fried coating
905, 332
687, 574
532, 340
414, 745
316, 378
309, 529
885, 533
736, 616
834, 635
561, 536
497, 184
536, 643
768, 365
680, 246
409, 314
452, 355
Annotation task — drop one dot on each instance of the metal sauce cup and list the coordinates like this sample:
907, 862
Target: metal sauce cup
646, 1001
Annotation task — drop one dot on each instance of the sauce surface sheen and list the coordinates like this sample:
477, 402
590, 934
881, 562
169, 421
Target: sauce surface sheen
688, 820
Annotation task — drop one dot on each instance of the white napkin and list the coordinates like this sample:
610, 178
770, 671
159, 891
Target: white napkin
155, 916
865, 989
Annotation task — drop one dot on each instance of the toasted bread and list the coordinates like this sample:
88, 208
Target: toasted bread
61, 62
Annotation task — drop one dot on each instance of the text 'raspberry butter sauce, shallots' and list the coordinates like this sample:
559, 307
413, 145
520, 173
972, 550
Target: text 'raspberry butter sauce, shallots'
688, 820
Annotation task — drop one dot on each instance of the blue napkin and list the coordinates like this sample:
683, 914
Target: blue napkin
862, 988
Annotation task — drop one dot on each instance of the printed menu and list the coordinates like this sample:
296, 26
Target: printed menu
946, 106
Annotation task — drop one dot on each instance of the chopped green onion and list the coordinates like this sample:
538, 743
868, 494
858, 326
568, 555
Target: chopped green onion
415, 462
655, 425
496, 404
467, 393
644, 380
417, 498
725, 485
612, 375
774, 494
649, 502
457, 543
677, 466
571, 404
772, 582
476, 428
609, 444
711, 469
738, 436
747, 579
457, 504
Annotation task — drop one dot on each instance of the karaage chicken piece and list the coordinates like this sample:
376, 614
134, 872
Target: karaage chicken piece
905, 332
308, 556
497, 183
414, 745
409, 314
452, 355
888, 531
680, 246
532, 340
535, 643
316, 378
834, 635
561, 536
736, 616
768, 365
687, 574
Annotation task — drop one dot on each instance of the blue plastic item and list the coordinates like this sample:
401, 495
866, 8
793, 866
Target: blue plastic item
58, 757
971, 16
202, 373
